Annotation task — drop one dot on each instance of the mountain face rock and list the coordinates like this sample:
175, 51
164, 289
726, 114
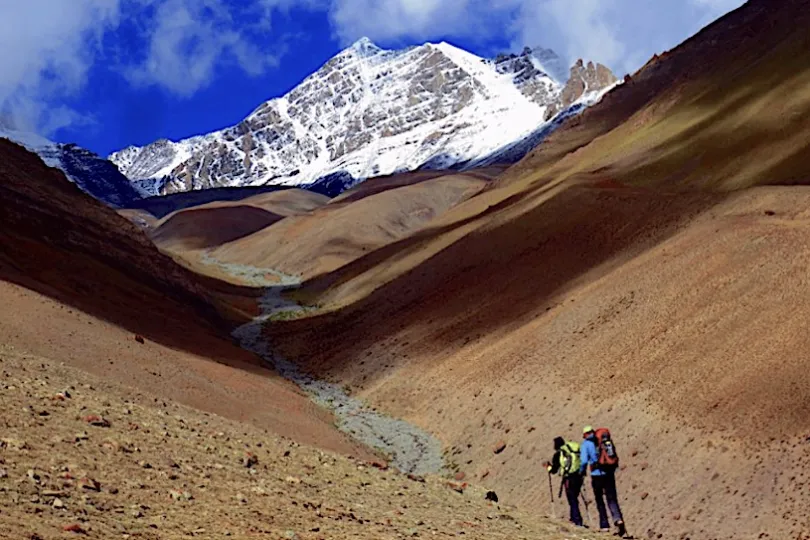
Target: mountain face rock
92, 173
583, 80
370, 112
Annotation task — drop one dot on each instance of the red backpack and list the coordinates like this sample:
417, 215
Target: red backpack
605, 450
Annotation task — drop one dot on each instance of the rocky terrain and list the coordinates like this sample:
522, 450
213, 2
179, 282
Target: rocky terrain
369, 112
83, 458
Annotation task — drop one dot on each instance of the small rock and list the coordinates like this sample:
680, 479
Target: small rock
83, 436
241, 498
416, 478
379, 465
460, 476
90, 484
491, 496
112, 446
644, 495
113, 491
57, 503
292, 480
459, 488
499, 447
178, 495
676, 517
250, 460
33, 476
290, 535
3, 473
144, 465
139, 338
96, 420
74, 528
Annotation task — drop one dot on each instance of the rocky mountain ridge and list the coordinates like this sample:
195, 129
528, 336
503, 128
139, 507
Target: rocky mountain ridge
370, 112
92, 173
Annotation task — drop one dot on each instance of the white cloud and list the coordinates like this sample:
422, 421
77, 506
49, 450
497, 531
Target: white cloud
46, 51
188, 39
47, 48
619, 33
622, 34
413, 20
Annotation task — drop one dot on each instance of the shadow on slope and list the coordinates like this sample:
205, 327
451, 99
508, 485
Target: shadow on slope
60, 242
349, 227
199, 228
493, 279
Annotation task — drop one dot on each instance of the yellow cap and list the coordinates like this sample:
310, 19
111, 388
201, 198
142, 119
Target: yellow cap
587, 429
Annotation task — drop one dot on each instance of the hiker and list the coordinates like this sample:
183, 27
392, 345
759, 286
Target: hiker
599, 454
566, 463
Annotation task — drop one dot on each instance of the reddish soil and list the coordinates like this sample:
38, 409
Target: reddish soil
78, 282
155, 469
200, 228
675, 319
345, 230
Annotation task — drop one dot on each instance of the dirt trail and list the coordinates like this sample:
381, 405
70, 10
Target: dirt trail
409, 448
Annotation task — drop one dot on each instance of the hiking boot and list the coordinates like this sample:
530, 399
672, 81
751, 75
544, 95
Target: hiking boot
622, 532
604, 529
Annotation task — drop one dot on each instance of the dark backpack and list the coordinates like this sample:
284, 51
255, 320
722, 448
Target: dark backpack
607, 457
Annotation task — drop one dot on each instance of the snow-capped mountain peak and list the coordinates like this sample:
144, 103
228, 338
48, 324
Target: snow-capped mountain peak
370, 111
365, 47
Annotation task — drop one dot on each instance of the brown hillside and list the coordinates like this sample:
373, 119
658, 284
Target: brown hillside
78, 282
215, 223
201, 228
703, 115
627, 274
342, 231
160, 470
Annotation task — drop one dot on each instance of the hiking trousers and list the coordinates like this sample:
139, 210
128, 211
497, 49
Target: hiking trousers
604, 487
573, 487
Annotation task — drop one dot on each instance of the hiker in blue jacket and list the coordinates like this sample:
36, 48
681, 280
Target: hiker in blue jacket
603, 480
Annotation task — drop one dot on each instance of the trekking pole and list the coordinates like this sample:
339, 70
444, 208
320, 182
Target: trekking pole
551, 495
587, 510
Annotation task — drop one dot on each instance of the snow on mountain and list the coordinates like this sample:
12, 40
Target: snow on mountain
93, 174
369, 112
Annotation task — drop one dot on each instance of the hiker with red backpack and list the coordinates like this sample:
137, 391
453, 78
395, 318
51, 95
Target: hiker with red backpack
598, 453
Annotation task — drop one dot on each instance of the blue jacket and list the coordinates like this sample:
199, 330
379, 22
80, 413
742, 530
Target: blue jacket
589, 456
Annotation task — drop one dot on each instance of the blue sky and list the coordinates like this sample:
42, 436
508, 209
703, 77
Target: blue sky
109, 73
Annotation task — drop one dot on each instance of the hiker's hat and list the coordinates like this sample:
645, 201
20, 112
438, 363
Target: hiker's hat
587, 429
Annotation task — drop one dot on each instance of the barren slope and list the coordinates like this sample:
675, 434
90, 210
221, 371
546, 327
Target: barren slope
344, 230
700, 116
160, 470
619, 284
78, 281
215, 223
674, 319
200, 228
